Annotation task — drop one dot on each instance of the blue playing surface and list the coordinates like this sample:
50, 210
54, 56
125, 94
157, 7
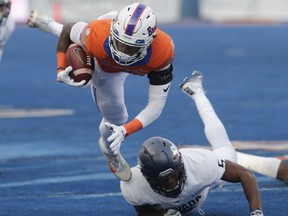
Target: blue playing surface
53, 166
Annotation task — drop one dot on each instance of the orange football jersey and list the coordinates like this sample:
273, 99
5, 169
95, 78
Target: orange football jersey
94, 40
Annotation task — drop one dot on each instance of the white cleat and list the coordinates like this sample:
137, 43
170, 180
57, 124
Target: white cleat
192, 85
119, 167
39, 20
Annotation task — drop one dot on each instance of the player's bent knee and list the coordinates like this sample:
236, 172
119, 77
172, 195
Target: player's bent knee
114, 113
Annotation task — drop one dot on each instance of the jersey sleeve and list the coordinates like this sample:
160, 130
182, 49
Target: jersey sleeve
76, 31
203, 166
162, 51
93, 36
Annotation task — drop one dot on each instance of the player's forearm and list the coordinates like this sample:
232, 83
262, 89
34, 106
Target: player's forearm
156, 102
251, 190
64, 39
55, 28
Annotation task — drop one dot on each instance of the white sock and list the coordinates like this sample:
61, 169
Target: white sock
267, 166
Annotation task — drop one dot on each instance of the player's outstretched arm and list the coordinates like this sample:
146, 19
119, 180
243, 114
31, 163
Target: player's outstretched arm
44, 22
236, 173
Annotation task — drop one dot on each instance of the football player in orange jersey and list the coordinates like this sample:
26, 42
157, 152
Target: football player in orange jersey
123, 43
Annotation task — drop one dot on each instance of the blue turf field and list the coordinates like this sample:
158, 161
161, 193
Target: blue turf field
51, 165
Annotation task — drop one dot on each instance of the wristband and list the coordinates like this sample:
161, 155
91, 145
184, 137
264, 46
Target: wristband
61, 61
133, 126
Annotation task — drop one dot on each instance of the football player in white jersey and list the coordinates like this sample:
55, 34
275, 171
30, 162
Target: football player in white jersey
7, 24
170, 181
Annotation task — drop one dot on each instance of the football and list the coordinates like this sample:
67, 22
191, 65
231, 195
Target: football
82, 64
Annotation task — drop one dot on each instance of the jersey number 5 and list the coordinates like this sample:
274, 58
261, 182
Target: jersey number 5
221, 163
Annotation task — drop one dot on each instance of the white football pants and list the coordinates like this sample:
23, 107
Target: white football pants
214, 129
108, 95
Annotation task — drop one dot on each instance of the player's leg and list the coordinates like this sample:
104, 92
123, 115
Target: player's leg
282, 173
108, 94
44, 22
268, 166
214, 129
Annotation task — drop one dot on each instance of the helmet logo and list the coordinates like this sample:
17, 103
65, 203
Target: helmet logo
151, 30
166, 172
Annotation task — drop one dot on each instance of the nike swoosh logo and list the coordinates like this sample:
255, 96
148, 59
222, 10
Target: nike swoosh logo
76, 51
166, 89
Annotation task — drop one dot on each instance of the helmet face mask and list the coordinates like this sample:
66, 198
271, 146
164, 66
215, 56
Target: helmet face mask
170, 186
4, 10
132, 33
162, 165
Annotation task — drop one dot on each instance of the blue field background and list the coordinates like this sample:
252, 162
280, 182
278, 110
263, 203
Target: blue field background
53, 165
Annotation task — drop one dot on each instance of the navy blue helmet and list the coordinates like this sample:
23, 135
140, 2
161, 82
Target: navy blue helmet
162, 165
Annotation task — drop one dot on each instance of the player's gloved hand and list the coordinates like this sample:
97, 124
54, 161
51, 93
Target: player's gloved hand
63, 76
117, 137
256, 212
172, 212
39, 20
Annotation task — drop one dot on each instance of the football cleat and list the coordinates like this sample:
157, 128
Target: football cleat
39, 20
119, 167
192, 85
257, 212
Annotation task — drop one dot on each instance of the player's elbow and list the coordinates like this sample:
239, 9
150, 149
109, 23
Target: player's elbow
247, 177
66, 30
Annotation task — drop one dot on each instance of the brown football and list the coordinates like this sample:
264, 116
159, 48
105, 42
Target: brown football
82, 64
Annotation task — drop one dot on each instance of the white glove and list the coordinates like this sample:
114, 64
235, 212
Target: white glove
256, 212
117, 137
63, 76
172, 212
39, 20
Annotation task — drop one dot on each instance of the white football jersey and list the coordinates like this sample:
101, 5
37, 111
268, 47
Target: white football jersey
203, 170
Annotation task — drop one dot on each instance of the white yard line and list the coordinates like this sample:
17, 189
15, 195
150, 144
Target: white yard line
6, 112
